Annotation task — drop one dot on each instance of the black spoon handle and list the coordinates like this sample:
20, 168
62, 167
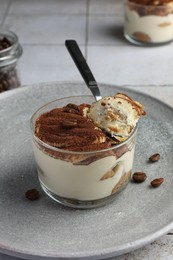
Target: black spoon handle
80, 62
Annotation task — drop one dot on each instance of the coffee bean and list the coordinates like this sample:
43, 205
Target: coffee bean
5, 84
157, 182
4, 43
32, 194
9, 79
8, 75
71, 108
9, 82
13, 81
74, 106
139, 177
155, 157
69, 123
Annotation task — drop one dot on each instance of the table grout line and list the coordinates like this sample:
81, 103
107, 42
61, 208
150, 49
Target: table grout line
148, 85
6, 13
127, 85
86, 28
45, 14
83, 44
46, 44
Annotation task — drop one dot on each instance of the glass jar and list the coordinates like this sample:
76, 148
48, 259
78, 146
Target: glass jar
148, 23
10, 52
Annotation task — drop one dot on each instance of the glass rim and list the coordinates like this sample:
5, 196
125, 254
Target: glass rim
148, 6
44, 144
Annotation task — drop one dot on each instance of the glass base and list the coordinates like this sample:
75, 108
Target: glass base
145, 44
81, 204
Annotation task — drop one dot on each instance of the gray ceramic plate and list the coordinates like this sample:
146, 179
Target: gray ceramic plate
44, 228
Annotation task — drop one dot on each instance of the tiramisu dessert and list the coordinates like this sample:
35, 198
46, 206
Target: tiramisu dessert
84, 150
149, 22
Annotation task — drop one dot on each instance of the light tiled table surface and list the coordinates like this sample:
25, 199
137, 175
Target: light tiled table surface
44, 25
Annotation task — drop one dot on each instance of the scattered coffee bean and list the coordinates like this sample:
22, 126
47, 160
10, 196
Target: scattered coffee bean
32, 194
139, 177
155, 157
157, 182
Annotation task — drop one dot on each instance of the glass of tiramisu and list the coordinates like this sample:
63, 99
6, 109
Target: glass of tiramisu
149, 22
84, 150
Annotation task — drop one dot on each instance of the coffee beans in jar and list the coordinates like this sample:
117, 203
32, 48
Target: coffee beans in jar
10, 52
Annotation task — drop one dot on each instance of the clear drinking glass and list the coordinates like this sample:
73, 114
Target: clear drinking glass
82, 179
148, 25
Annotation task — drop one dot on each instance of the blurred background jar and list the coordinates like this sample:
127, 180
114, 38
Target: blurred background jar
10, 52
149, 22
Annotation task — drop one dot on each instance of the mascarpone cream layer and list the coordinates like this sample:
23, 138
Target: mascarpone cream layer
158, 28
82, 182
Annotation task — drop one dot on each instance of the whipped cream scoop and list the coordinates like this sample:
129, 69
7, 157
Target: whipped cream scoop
117, 115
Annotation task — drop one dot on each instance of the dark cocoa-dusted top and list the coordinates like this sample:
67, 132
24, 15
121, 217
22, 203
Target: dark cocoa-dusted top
152, 2
69, 129
151, 7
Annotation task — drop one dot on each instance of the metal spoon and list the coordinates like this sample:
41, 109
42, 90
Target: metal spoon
83, 68
86, 73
